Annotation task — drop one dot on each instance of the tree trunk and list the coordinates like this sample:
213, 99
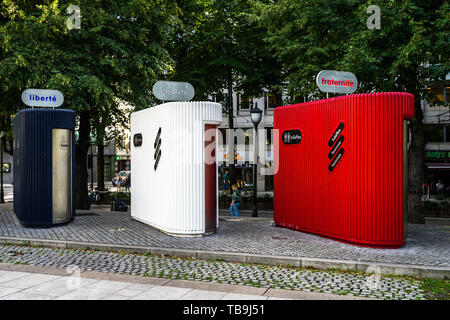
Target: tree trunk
82, 148
231, 126
100, 167
9, 147
100, 157
416, 156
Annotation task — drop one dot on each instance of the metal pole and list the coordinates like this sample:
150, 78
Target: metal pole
2, 194
445, 101
255, 166
92, 169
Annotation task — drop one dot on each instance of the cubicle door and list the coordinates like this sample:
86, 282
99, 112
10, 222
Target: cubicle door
405, 179
210, 179
61, 175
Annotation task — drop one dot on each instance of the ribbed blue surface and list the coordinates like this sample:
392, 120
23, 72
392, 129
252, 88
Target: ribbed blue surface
33, 163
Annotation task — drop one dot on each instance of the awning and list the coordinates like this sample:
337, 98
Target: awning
441, 166
437, 146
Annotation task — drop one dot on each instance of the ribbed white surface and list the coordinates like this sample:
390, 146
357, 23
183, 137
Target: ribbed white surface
172, 197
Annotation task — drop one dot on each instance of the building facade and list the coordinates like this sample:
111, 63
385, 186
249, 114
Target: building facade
243, 141
7, 167
437, 153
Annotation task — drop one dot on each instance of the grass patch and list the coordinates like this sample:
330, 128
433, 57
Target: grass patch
436, 289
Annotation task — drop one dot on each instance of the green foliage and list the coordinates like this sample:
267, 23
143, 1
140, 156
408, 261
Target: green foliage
410, 50
221, 34
395, 58
315, 35
308, 36
111, 61
115, 57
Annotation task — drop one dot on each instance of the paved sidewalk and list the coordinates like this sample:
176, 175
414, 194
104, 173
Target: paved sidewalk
59, 284
255, 240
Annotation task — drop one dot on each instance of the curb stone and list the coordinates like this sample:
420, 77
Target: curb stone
301, 262
197, 285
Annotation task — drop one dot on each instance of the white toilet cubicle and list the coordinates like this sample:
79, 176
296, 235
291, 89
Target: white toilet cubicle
174, 172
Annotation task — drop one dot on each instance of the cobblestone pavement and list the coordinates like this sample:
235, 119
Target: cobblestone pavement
427, 245
373, 286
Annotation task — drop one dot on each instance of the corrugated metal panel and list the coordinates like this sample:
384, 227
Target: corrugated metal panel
33, 163
361, 199
172, 197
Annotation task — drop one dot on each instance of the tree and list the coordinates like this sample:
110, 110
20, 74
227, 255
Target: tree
219, 46
395, 58
307, 37
321, 34
114, 57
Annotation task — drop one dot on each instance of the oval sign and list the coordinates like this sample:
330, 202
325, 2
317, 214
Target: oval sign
173, 91
336, 81
42, 98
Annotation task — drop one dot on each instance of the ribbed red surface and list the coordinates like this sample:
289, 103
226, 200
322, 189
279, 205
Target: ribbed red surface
361, 200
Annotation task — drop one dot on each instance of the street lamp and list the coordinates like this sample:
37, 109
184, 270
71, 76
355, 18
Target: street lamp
2, 194
255, 115
92, 167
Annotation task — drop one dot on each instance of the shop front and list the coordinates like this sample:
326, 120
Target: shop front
437, 168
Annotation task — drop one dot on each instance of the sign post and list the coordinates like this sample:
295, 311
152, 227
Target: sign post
336, 82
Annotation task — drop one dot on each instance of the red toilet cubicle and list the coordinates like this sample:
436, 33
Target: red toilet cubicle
342, 168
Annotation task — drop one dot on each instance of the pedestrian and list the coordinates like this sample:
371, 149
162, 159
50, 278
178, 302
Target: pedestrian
440, 187
236, 199
117, 180
240, 184
226, 181
129, 181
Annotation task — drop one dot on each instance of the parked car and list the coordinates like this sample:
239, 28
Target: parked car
123, 175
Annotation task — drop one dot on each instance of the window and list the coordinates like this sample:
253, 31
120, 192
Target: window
268, 183
269, 132
436, 94
273, 100
245, 103
220, 97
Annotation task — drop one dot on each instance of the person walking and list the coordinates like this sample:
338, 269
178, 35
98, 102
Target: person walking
128, 182
236, 199
125, 183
